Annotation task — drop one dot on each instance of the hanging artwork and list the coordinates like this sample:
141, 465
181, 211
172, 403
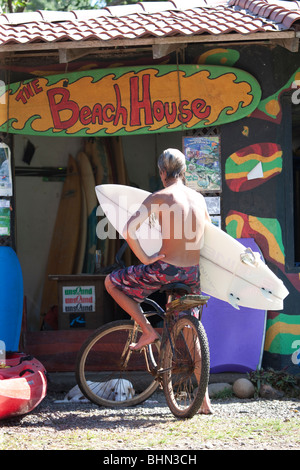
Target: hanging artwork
213, 205
5, 171
4, 217
128, 100
203, 163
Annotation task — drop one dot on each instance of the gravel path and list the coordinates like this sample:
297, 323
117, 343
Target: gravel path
235, 424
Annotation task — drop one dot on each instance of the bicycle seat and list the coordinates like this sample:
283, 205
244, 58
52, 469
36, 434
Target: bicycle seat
175, 286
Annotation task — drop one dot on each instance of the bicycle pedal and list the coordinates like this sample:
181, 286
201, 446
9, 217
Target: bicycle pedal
140, 350
158, 379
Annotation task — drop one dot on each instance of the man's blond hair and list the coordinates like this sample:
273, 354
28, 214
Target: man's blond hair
173, 162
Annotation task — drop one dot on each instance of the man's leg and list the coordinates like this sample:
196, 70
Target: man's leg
133, 309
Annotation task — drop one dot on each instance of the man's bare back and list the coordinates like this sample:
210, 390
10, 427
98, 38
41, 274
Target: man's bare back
182, 214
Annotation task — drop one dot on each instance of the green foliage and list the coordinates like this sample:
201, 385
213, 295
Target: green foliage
67, 5
280, 380
16, 6
12, 6
225, 394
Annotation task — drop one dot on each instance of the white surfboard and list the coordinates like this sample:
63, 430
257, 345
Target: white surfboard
228, 271
119, 203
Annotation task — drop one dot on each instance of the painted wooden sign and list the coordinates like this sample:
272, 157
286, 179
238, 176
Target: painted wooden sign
128, 100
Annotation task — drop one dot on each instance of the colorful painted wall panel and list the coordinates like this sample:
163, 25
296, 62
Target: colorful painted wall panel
253, 153
220, 55
282, 333
252, 166
268, 235
270, 108
283, 340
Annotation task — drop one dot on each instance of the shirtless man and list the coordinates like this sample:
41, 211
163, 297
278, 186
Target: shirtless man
181, 213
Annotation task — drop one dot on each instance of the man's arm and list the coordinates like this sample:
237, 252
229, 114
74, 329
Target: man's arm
133, 224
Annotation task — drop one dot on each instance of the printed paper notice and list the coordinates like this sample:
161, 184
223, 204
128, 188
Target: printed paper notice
4, 217
79, 299
5, 171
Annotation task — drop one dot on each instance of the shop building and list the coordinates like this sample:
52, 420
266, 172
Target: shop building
147, 58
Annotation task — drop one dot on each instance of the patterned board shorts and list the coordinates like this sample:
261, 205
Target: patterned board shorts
138, 282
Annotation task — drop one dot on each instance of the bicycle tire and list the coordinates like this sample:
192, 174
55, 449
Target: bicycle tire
100, 360
184, 393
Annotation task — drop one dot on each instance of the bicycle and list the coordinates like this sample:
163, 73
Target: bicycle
178, 362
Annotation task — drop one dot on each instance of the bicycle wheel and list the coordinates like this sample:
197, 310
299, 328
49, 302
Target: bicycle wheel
186, 367
108, 373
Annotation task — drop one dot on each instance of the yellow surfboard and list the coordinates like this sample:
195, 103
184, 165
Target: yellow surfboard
62, 253
129, 100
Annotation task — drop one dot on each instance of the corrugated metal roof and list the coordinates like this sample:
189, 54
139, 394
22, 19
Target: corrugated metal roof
150, 19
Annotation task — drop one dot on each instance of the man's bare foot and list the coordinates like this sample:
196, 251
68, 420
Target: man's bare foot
144, 340
205, 408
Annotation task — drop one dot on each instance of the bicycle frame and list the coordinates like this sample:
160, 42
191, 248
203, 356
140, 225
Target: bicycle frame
148, 353
173, 363
166, 361
154, 368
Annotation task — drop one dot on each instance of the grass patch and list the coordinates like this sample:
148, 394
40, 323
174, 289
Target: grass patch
152, 431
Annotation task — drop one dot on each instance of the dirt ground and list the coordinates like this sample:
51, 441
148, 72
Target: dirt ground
235, 424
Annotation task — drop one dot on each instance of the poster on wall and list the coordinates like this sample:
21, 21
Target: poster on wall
5, 171
203, 163
216, 220
4, 217
78, 299
214, 209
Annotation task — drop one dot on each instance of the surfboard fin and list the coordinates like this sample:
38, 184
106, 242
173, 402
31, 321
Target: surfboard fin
250, 258
233, 300
266, 293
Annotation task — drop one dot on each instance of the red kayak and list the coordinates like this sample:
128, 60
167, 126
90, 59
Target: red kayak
23, 384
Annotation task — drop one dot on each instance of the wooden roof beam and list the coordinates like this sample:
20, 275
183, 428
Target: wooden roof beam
176, 40
67, 55
291, 44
